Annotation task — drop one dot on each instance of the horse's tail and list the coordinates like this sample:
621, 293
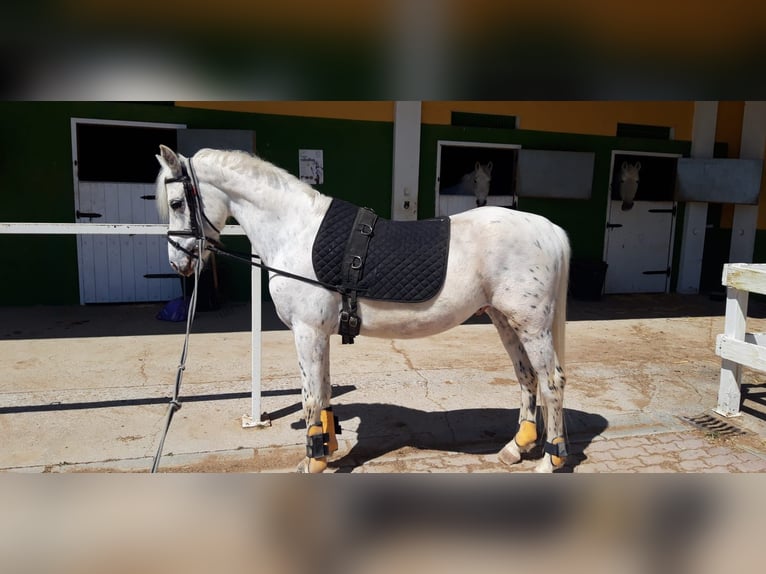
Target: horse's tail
560, 310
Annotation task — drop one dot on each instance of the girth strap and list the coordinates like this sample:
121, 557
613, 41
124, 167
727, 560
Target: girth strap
352, 270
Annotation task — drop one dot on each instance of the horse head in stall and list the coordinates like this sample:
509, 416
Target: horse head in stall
628, 184
478, 181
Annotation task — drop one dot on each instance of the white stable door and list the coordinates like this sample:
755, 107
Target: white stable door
639, 247
122, 268
133, 268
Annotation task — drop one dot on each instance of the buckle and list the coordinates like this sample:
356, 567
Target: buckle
356, 262
316, 445
559, 449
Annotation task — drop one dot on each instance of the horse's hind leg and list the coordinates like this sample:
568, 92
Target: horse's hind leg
313, 348
526, 436
550, 376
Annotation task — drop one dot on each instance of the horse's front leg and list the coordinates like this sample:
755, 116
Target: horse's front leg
313, 348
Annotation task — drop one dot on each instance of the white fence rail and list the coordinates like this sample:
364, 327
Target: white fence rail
736, 347
21, 228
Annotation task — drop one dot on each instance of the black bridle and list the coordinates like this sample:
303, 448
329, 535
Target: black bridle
197, 221
197, 217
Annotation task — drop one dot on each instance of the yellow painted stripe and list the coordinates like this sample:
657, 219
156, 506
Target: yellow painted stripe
379, 111
579, 117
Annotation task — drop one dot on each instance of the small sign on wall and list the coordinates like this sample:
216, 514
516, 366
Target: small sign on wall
311, 166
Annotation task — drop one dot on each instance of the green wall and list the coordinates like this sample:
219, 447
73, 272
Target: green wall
37, 183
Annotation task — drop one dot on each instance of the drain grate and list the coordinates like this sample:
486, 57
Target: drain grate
713, 424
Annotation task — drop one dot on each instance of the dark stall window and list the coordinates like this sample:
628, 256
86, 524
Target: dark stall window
457, 161
657, 176
120, 153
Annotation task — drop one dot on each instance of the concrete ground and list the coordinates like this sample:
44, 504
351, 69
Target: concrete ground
85, 389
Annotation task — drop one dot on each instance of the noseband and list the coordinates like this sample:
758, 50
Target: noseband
197, 217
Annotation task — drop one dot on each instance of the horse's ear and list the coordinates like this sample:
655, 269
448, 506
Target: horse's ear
624, 165
489, 166
638, 165
477, 165
170, 160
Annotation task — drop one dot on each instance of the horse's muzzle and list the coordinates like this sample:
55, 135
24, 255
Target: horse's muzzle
186, 269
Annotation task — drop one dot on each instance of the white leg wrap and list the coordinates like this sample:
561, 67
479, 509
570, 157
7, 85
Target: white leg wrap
510, 453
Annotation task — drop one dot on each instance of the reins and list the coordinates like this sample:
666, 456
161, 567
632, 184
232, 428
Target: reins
175, 403
251, 257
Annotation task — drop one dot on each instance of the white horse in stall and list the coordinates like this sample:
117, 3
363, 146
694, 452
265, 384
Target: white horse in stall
513, 265
628, 183
474, 183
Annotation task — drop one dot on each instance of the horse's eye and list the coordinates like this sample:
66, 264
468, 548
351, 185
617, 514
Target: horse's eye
176, 204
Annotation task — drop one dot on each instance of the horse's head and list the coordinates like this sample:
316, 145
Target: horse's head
482, 177
628, 183
190, 208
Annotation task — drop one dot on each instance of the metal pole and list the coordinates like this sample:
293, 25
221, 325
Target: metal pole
255, 419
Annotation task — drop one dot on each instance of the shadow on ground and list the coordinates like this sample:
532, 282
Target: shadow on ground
385, 428
49, 322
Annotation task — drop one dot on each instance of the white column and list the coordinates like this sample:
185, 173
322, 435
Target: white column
254, 418
695, 213
404, 195
746, 216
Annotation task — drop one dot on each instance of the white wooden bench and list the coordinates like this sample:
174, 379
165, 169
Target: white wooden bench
736, 347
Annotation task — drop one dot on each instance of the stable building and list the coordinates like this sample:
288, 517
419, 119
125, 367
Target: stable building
655, 196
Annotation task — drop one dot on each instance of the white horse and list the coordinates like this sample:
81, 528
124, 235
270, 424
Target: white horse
628, 184
512, 265
474, 183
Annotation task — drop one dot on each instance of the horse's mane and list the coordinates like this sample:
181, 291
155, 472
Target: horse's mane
243, 163
251, 165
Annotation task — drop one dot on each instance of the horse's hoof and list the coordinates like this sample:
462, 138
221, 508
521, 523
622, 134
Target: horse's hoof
311, 466
549, 463
510, 454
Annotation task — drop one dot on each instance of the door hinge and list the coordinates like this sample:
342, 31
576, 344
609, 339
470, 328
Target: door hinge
86, 214
671, 210
659, 272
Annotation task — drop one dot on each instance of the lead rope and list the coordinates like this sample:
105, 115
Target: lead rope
175, 404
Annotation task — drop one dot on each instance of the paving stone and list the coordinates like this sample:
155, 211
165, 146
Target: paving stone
693, 443
725, 459
627, 453
691, 454
664, 447
693, 465
717, 469
657, 459
652, 469
752, 466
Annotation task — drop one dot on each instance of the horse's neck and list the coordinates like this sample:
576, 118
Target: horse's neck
274, 211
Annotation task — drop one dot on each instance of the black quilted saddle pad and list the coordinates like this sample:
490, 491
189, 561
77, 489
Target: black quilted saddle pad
406, 260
